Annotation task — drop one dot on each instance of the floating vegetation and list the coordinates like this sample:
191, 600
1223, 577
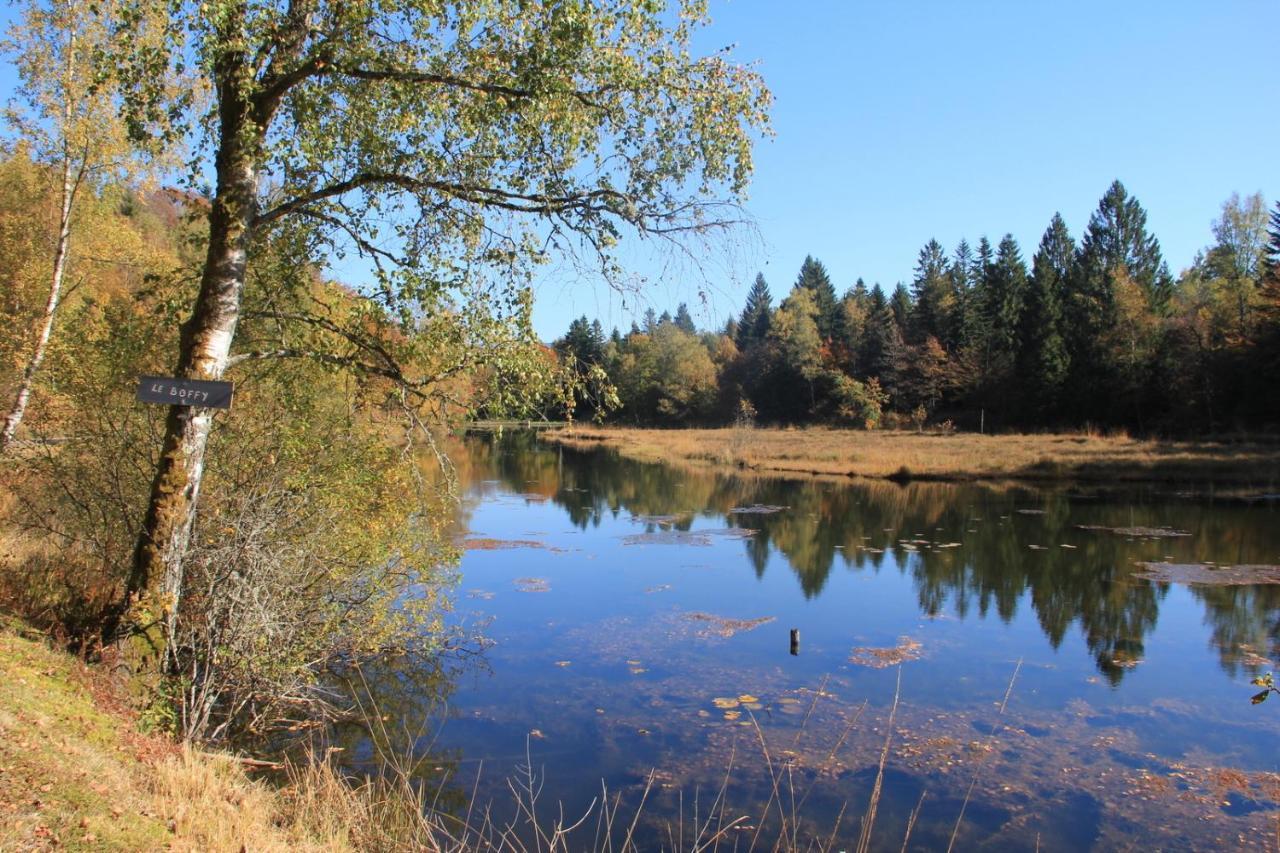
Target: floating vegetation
757, 509
482, 594
724, 703
1208, 574
563, 662
662, 587
662, 520
723, 626
1030, 511
1140, 532
687, 537
483, 543
732, 715
879, 657
532, 585
747, 699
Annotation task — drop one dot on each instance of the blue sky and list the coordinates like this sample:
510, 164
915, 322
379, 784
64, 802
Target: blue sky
901, 121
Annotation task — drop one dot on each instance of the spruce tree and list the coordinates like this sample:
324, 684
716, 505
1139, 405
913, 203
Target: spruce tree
1116, 254
881, 353
684, 321
979, 329
934, 299
1005, 292
813, 277
1115, 241
900, 304
756, 316
961, 325
1042, 354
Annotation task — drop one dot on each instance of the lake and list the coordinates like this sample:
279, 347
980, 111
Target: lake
638, 621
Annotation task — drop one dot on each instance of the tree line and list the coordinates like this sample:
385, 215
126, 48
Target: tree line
1094, 331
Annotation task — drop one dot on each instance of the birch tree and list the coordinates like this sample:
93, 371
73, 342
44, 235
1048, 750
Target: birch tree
451, 145
73, 130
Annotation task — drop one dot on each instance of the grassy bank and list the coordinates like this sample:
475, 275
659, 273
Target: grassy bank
77, 774
929, 456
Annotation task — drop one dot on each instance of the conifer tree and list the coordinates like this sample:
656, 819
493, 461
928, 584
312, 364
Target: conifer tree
813, 277
882, 347
1115, 241
900, 303
1115, 253
934, 299
961, 325
1005, 292
1042, 355
756, 316
684, 321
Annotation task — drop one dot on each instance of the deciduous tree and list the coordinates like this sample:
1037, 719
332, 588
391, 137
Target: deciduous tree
450, 144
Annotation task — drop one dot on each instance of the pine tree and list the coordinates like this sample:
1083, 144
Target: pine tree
934, 300
756, 316
650, 321
665, 318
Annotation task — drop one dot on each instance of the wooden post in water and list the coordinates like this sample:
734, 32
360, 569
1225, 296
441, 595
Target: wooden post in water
795, 641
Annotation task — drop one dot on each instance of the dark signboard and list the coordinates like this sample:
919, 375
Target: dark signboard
185, 392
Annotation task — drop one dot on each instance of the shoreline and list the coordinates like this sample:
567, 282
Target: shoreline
903, 457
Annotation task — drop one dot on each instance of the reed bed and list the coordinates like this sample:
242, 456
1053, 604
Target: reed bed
901, 455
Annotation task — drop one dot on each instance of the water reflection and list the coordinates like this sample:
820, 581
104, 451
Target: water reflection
1121, 727
974, 550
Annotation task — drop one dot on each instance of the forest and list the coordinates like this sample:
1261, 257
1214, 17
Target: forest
1089, 332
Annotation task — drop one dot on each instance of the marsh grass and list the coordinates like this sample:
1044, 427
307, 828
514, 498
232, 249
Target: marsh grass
903, 455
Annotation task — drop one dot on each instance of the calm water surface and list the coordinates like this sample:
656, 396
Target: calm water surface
639, 620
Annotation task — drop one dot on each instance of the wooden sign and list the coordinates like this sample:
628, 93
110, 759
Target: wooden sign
170, 391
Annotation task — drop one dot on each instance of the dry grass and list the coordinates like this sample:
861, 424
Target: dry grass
75, 774
933, 456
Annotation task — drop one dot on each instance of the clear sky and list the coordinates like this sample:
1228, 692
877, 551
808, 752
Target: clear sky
901, 121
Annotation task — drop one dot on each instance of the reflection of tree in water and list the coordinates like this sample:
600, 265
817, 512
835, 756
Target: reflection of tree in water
875, 525
399, 707
1245, 621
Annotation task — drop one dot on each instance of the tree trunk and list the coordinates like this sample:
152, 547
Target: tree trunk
205, 345
23, 396
69, 187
